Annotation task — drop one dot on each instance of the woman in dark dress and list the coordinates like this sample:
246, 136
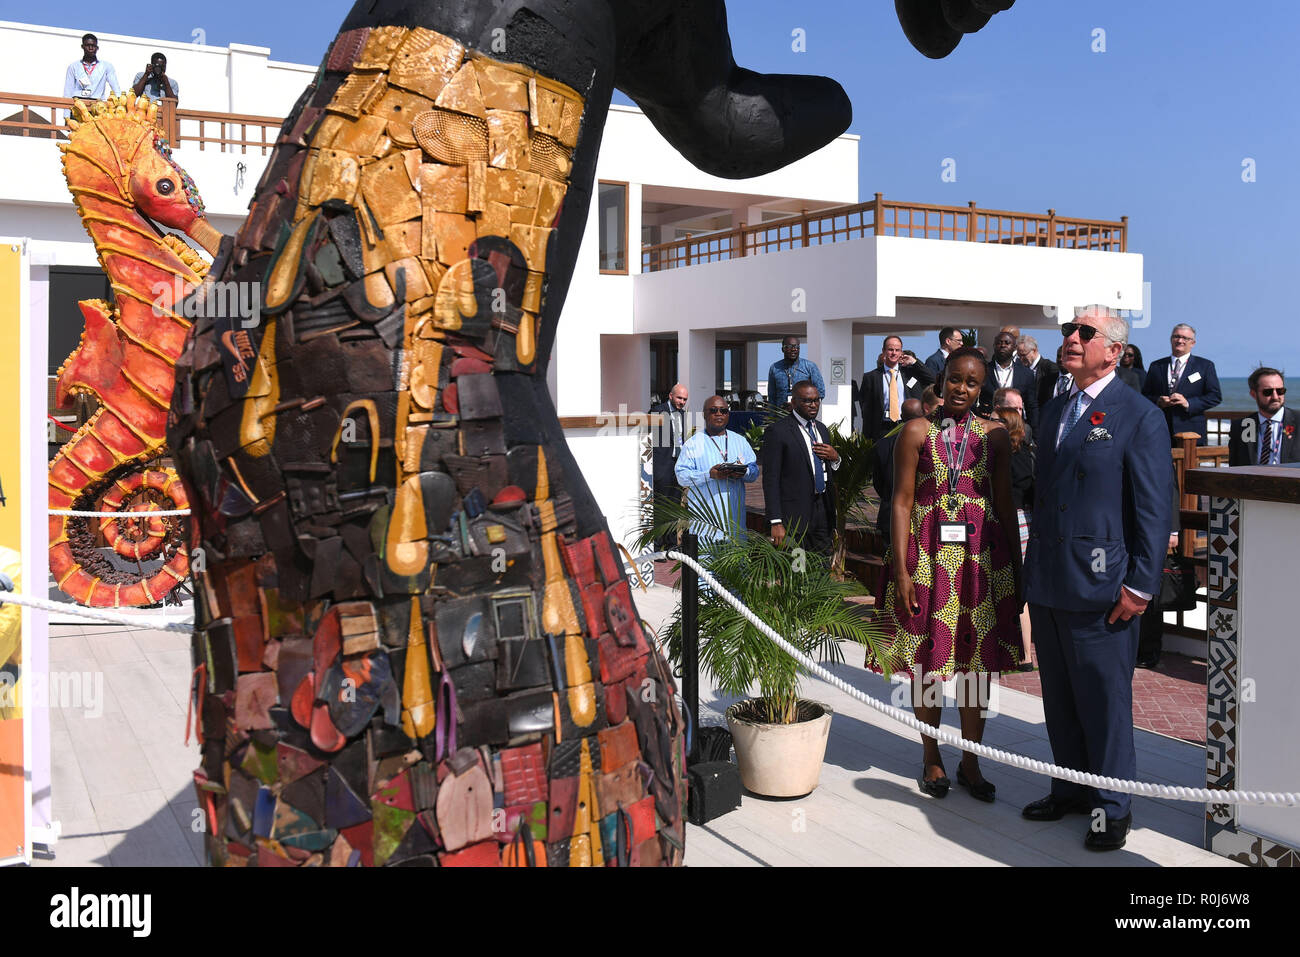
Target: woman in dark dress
1130, 369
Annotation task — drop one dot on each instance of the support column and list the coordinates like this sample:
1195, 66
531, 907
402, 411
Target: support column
857, 369
697, 367
833, 339
752, 371
625, 373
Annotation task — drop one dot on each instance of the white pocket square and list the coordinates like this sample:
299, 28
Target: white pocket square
1098, 434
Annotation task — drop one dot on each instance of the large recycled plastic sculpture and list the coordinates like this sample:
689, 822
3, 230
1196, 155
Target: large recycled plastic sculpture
416, 642
120, 172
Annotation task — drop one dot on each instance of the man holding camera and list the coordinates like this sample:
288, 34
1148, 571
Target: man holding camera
154, 82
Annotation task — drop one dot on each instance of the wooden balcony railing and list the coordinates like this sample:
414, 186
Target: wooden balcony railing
43, 117
882, 217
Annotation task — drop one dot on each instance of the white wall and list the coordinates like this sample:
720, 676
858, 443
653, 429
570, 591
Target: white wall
234, 79
1267, 758
610, 461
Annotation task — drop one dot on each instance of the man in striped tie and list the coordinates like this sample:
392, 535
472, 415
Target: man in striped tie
1270, 436
1096, 555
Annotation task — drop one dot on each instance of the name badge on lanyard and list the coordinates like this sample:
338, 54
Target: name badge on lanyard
955, 532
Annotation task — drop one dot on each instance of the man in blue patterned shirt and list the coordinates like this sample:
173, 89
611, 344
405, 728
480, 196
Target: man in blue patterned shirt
784, 373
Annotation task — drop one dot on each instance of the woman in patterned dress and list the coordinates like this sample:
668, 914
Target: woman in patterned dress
955, 593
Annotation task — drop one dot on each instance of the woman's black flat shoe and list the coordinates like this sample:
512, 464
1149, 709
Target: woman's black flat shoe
983, 791
938, 788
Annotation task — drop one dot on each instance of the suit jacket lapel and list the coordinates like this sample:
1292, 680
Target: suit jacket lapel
1287, 453
1072, 442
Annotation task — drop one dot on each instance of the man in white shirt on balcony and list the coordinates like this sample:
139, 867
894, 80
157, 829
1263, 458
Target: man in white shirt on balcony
85, 79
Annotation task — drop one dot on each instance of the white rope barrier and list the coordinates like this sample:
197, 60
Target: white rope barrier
143, 513
1143, 788
98, 614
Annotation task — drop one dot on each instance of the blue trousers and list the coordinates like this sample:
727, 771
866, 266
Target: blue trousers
1087, 673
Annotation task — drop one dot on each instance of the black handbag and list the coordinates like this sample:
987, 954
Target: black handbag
1178, 584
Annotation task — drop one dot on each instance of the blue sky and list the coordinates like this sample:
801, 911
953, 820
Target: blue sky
1155, 128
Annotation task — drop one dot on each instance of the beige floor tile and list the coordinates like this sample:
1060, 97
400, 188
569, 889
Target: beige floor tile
113, 644
82, 844
142, 831
111, 759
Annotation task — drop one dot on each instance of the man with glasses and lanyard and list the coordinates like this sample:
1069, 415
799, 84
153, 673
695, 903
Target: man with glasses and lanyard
1268, 437
1096, 556
1183, 386
711, 467
798, 484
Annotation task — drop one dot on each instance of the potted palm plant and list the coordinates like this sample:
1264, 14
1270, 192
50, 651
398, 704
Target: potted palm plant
852, 479
780, 736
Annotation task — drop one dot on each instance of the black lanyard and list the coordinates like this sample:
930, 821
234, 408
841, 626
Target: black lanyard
726, 447
954, 467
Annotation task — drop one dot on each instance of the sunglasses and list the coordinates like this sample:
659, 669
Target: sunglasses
1086, 333
717, 410
1281, 391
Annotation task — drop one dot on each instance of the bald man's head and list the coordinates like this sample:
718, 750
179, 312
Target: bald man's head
913, 409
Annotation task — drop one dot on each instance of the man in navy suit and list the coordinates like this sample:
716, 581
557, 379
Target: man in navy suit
1096, 554
1268, 437
1183, 385
950, 340
1004, 372
898, 377
798, 467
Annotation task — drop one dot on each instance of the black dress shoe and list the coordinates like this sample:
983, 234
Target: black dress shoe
983, 791
938, 788
1149, 662
1112, 837
1052, 808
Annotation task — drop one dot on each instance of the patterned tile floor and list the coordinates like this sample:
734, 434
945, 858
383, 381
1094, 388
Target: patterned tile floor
1169, 700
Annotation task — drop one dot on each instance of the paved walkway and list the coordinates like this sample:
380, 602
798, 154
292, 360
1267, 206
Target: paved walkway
121, 780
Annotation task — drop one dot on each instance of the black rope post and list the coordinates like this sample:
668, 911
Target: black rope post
691, 642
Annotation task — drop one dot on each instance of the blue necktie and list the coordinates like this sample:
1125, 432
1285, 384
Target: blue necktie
819, 471
1076, 413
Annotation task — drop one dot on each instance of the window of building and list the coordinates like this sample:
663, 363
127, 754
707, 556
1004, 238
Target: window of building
613, 227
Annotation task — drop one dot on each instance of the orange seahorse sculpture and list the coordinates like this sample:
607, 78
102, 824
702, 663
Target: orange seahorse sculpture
123, 181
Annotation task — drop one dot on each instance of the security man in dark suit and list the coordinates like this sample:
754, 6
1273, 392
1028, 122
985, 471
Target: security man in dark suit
1183, 386
885, 388
798, 467
950, 340
1096, 557
1269, 436
668, 440
1005, 373
1044, 369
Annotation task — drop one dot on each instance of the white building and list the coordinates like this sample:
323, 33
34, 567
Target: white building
723, 264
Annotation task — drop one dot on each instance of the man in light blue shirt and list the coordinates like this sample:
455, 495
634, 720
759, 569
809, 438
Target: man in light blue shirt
712, 466
86, 78
785, 372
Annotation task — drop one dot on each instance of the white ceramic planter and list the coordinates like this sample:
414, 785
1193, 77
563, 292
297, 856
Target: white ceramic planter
780, 760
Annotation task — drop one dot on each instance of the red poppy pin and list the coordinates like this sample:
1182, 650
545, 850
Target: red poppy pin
1097, 418
1288, 431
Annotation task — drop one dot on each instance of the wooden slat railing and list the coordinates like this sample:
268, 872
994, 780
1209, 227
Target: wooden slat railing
882, 217
43, 117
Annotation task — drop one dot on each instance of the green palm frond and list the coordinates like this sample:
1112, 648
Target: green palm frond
793, 592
